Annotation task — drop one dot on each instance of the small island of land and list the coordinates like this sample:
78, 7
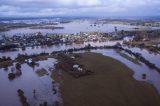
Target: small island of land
111, 84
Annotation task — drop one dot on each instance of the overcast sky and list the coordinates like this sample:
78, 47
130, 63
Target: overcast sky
100, 8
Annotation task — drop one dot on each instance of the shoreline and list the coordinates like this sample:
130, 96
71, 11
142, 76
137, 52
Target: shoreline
111, 85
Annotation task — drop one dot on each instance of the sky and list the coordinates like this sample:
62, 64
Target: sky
97, 8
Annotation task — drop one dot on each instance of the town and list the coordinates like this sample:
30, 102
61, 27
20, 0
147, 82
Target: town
38, 39
148, 39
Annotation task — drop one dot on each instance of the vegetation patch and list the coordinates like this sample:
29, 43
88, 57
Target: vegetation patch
111, 85
34, 57
135, 61
40, 58
68, 64
5, 64
41, 72
11, 76
23, 99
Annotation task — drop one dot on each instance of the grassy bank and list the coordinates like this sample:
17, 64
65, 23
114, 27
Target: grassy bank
135, 61
5, 64
111, 84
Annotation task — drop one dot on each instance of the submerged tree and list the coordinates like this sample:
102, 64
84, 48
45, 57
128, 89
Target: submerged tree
18, 66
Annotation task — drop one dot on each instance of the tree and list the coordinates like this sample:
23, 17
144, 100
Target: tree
18, 65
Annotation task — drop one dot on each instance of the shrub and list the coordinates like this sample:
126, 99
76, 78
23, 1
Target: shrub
22, 98
18, 65
20, 92
11, 76
143, 76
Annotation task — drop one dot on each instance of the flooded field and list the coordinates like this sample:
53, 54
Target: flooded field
28, 82
151, 56
40, 49
79, 52
36, 82
73, 27
152, 76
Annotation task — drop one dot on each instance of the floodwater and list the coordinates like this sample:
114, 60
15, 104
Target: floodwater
73, 27
28, 81
152, 76
151, 56
40, 49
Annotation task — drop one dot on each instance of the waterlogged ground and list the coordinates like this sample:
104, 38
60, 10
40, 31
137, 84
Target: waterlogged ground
152, 57
28, 81
42, 83
152, 76
40, 49
111, 84
76, 26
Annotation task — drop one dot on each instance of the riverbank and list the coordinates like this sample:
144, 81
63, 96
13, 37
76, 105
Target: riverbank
111, 84
152, 46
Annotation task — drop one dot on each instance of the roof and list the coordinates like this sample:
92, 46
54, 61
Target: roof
75, 66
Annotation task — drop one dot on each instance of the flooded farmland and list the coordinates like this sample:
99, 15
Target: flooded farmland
36, 82
28, 82
73, 27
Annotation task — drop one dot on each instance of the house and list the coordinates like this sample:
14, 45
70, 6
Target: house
80, 69
128, 38
29, 61
75, 66
73, 57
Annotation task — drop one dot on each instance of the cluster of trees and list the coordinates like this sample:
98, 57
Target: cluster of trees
141, 58
139, 35
4, 58
25, 56
18, 72
7, 47
22, 97
11, 76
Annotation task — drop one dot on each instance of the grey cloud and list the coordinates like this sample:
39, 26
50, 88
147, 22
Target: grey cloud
79, 7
